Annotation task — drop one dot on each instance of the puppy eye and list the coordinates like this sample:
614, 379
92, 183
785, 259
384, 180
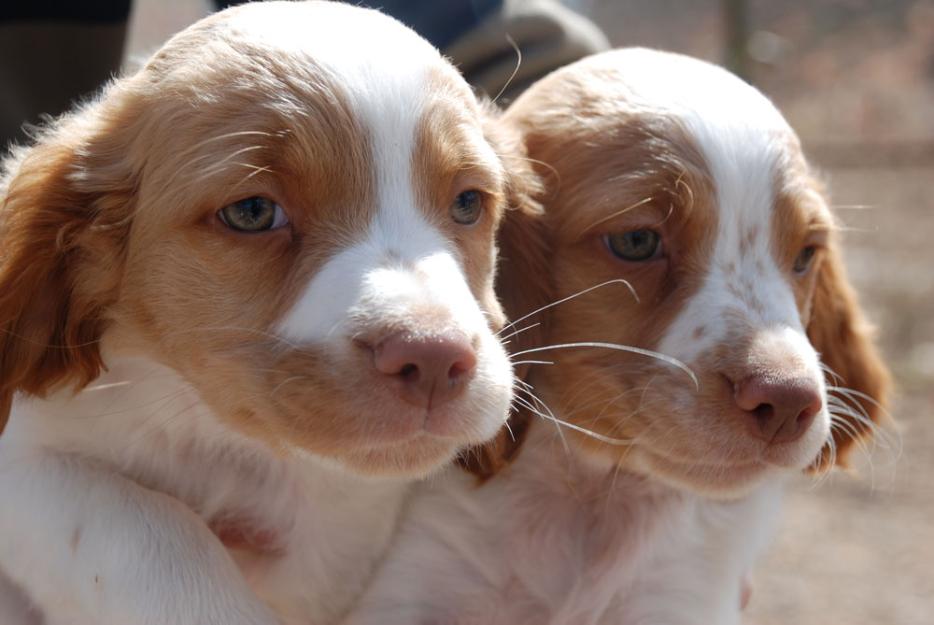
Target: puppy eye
803, 261
253, 214
636, 245
467, 207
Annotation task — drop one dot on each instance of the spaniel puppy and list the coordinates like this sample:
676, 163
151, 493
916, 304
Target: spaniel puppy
647, 486
245, 297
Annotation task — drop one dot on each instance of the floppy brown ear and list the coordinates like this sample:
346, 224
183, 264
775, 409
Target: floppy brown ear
859, 381
59, 201
523, 284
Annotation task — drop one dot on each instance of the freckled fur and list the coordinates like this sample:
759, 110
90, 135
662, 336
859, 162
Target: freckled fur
663, 526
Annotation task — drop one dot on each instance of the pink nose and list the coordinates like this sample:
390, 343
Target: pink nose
780, 409
427, 371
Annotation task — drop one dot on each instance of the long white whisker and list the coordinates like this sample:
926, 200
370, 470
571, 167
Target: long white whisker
573, 296
600, 437
519, 331
515, 46
528, 406
641, 202
674, 362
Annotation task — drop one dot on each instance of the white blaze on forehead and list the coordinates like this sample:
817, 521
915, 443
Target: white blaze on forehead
391, 273
401, 258
741, 137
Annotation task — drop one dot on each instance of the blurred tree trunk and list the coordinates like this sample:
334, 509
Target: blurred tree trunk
736, 31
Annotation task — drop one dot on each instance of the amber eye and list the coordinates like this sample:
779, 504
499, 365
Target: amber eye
803, 261
467, 207
635, 245
253, 214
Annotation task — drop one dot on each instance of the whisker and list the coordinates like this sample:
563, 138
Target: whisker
284, 382
515, 46
830, 372
255, 171
600, 437
519, 331
31, 341
854, 393
623, 348
547, 166
104, 387
622, 211
512, 435
573, 296
529, 391
528, 406
222, 164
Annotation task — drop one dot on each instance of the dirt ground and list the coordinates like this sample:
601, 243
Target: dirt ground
856, 78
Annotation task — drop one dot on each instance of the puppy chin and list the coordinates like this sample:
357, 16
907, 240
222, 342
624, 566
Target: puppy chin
714, 481
419, 457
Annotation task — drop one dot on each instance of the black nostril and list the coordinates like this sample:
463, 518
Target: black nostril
409, 372
764, 412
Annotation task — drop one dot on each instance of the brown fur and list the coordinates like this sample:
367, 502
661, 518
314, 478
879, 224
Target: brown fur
521, 289
63, 231
840, 333
612, 167
109, 223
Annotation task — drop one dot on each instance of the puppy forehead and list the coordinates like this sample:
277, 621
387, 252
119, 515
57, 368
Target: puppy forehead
339, 38
404, 95
746, 147
397, 91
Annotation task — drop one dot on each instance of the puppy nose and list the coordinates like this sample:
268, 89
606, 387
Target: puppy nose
780, 409
428, 371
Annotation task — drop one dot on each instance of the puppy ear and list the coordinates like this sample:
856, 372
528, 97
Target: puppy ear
858, 381
523, 284
58, 257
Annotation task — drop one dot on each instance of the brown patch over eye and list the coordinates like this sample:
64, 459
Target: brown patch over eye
253, 214
635, 245
467, 207
803, 260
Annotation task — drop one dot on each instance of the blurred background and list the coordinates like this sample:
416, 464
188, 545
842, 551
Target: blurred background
856, 79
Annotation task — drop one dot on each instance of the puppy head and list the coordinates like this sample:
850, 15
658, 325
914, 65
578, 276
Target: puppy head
679, 178
304, 231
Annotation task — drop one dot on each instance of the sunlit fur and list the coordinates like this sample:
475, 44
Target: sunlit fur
197, 433
633, 491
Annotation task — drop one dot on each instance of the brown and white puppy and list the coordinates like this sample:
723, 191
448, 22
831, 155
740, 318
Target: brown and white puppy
246, 295
651, 502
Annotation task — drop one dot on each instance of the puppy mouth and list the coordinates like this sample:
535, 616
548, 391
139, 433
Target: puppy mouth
725, 477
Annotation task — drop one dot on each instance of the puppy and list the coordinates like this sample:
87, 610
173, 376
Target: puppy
246, 295
647, 497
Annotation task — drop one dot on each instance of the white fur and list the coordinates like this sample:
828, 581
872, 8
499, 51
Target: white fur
108, 492
560, 537
162, 465
555, 540
743, 139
